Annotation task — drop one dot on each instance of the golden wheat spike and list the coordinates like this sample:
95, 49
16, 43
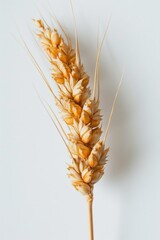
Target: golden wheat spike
79, 110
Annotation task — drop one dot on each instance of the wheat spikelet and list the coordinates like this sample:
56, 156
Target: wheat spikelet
78, 109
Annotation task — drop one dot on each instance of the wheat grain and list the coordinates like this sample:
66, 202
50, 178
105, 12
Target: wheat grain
78, 109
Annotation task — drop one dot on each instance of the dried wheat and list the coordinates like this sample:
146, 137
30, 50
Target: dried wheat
78, 109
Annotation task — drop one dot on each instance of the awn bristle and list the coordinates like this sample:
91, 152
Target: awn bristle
78, 109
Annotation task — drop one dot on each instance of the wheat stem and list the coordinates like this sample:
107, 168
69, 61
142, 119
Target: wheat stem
90, 219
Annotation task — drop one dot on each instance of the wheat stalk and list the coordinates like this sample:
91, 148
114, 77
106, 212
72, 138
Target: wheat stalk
79, 110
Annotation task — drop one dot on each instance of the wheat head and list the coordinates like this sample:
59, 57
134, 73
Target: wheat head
78, 109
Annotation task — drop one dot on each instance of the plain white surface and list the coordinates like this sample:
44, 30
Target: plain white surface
37, 200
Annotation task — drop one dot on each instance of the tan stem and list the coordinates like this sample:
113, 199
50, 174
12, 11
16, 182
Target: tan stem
90, 218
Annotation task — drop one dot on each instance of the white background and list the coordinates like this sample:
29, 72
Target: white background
37, 201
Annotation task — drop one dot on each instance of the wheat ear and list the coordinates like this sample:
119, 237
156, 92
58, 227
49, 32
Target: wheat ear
79, 110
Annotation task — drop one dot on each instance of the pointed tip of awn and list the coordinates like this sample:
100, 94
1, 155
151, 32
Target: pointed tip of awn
113, 106
96, 73
78, 59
